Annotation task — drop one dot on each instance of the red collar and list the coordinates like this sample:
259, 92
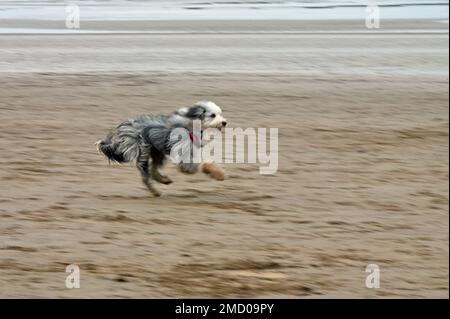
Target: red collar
194, 138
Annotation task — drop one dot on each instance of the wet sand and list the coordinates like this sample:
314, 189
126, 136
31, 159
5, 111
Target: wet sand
363, 167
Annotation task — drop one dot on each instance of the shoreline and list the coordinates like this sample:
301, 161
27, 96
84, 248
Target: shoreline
298, 47
183, 10
334, 25
224, 27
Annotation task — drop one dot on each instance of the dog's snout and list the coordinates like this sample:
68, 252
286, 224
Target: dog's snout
224, 123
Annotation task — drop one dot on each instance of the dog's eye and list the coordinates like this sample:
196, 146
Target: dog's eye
213, 115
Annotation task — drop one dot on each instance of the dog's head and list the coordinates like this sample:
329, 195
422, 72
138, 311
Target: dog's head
207, 112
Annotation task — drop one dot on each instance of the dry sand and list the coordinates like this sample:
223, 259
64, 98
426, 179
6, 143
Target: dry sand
363, 173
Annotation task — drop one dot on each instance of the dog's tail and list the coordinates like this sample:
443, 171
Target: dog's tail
122, 145
110, 151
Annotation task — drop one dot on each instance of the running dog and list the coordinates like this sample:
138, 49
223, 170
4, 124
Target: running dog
148, 140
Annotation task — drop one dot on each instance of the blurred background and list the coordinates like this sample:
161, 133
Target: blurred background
359, 95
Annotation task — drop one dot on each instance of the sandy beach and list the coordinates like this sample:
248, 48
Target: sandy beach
363, 162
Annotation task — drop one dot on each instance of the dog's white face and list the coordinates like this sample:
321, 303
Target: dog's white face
213, 115
208, 112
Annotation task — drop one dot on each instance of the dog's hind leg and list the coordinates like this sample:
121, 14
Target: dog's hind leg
158, 161
143, 166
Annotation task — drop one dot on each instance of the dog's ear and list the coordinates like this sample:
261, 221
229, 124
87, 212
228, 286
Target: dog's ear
195, 112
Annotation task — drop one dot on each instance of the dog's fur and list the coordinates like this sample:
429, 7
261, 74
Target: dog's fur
146, 140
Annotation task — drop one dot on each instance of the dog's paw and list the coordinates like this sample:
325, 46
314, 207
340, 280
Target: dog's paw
164, 180
188, 168
155, 193
213, 171
152, 190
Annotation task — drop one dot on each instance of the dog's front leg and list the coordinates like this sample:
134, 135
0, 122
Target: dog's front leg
188, 168
214, 171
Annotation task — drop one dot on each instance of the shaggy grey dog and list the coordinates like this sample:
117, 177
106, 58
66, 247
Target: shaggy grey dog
147, 140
